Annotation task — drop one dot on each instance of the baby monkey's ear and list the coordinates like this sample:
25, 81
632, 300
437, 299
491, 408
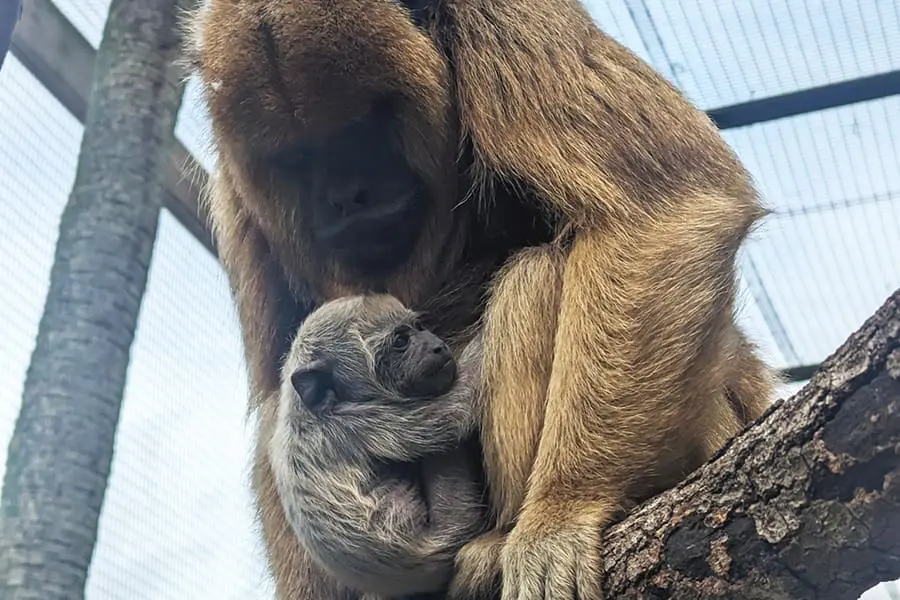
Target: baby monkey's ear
314, 383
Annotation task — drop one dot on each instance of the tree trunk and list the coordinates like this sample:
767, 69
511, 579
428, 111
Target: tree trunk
803, 505
62, 446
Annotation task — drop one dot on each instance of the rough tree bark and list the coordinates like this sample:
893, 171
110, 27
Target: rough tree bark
803, 505
62, 446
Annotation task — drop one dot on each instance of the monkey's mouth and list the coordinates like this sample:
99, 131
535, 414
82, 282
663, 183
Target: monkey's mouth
383, 236
440, 377
434, 380
346, 231
444, 369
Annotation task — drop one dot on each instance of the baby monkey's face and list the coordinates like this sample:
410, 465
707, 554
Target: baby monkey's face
368, 348
415, 362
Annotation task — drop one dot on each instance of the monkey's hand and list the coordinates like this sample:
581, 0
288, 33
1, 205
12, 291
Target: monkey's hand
553, 553
477, 574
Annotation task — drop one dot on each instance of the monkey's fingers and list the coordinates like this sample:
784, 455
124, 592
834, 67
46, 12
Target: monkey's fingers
525, 562
524, 573
477, 573
574, 573
587, 574
558, 561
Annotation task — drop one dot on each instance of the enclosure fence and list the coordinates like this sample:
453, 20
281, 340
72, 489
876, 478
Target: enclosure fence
806, 92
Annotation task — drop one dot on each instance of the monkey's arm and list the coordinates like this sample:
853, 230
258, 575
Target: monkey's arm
636, 388
407, 431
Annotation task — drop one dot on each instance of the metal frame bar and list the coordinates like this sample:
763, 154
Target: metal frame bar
807, 101
58, 56
651, 39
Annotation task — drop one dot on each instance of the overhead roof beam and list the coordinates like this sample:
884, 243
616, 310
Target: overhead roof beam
62, 60
58, 56
806, 101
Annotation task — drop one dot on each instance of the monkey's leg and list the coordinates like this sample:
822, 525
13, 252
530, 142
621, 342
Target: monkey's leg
520, 325
455, 501
749, 391
638, 381
751, 387
423, 558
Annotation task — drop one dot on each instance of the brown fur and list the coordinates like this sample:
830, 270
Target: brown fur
614, 363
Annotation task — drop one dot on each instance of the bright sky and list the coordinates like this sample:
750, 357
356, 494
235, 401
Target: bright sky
177, 522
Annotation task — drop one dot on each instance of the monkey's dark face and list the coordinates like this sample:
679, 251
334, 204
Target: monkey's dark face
363, 203
334, 123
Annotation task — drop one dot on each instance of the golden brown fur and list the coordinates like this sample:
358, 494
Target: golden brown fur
612, 357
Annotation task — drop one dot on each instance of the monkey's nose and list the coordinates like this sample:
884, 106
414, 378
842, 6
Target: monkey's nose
440, 349
349, 200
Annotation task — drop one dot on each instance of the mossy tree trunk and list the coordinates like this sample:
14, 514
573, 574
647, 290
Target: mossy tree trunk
62, 446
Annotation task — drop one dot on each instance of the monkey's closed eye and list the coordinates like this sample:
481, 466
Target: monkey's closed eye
290, 160
314, 383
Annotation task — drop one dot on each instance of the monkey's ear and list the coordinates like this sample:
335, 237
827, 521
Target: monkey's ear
314, 383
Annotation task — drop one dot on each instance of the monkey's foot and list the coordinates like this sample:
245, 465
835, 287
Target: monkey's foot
478, 568
553, 554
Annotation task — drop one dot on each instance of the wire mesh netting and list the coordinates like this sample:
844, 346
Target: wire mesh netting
177, 519
177, 522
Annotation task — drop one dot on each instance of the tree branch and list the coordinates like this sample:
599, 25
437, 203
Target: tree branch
804, 504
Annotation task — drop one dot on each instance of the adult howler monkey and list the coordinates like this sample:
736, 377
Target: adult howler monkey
500, 162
